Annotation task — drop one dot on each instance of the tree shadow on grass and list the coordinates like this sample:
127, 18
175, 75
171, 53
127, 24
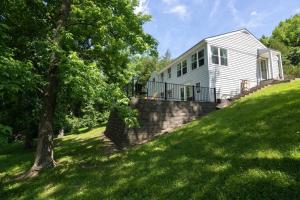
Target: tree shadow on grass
250, 150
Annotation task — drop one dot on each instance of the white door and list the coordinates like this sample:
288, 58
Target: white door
263, 70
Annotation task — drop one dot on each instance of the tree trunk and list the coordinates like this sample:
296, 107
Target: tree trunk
44, 154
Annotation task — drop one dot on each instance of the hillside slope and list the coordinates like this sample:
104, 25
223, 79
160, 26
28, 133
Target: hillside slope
250, 150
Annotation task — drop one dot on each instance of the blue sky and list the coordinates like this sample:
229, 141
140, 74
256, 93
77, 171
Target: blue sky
179, 24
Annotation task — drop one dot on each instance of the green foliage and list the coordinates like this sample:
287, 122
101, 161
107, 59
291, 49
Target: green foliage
145, 65
286, 38
5, 132
19, 94
93, 54
249, 150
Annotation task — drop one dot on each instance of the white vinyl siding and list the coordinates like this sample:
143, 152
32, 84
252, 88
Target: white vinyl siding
228, 60
199, 74
242, 51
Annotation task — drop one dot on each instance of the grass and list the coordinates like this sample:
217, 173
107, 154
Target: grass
250, 150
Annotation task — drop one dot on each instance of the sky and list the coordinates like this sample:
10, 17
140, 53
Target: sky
177, 25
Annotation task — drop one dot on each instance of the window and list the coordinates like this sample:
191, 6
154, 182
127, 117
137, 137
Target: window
162, 77
201, 58
198, 88
184, 67
153, 79
223, 56
219, 56
178, 69
194, 61
169, 73
214, 55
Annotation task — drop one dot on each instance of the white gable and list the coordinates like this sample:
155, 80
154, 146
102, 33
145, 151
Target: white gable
241, 40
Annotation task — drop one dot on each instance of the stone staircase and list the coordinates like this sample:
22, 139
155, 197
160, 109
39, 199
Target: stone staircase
155, 118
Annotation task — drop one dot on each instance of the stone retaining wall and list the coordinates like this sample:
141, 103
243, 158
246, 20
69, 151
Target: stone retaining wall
155, 118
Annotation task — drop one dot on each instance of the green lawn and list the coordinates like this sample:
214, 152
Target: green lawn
250, 150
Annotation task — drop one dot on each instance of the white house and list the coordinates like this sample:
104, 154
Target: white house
229, 62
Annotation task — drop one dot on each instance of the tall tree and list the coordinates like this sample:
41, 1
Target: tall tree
286, 38
44, 155
82, 46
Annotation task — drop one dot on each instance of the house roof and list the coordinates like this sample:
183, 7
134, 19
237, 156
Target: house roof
207, 39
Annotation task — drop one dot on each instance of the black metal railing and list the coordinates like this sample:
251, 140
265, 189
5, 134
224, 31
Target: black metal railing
170, 91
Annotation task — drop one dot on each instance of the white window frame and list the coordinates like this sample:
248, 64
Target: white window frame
211, 55
223, 57
219, 56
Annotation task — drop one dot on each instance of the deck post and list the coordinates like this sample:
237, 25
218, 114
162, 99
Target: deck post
166, 97
193, 93
215, 95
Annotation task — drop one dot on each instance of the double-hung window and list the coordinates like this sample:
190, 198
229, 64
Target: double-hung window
178, 69
162, 77
169, 72
219, 56
215, 55
184, 67
194, 61
201, 58
223, 56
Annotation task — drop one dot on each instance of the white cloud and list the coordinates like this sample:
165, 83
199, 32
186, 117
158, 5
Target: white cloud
169, 2
253, 13
143, 7
255, 20
297, 11
179, 10
174, 7
215, 8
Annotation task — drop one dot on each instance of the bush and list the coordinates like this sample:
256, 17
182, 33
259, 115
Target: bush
291, 71
5, 132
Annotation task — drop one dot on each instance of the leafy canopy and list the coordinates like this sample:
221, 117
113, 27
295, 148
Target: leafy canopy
286, 38
94, 48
